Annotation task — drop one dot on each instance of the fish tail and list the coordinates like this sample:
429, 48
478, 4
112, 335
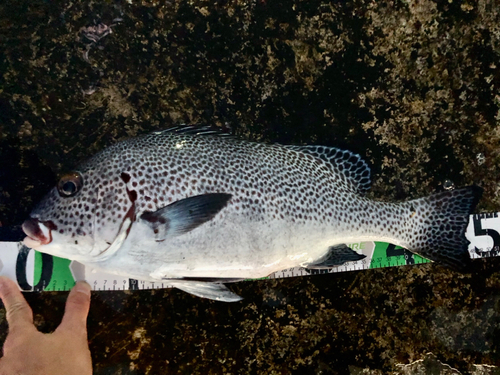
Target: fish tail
437, 226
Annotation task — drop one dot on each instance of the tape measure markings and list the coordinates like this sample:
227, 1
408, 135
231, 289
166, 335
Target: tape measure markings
36, 271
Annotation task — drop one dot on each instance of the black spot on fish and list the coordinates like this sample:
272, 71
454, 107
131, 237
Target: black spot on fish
132, 195
125, 177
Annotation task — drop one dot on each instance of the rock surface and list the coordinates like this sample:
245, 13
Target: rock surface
413, 86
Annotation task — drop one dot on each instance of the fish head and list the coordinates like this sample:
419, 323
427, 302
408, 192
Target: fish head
81, 217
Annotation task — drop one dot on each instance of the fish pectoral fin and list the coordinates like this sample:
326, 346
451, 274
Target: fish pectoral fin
184, 215
215, 291
335, 256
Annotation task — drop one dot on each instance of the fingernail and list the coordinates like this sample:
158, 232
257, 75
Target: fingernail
82, 287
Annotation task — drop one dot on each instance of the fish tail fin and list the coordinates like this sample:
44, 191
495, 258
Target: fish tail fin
438, 224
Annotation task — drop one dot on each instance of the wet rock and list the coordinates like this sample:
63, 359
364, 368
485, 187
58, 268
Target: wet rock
411, 85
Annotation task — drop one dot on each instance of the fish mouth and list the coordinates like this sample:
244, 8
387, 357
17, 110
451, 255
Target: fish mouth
39, 233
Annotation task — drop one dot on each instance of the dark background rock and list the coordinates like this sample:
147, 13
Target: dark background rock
413, 86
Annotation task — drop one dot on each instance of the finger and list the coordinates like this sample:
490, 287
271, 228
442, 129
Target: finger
77, 308
19, 313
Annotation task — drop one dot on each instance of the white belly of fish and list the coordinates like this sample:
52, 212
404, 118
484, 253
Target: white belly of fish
234, 248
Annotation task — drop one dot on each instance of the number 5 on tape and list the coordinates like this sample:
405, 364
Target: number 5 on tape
484, 234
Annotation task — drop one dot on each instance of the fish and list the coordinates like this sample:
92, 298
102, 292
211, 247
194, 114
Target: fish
198, 209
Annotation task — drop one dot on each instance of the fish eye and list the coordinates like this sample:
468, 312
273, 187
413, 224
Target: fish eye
70, 184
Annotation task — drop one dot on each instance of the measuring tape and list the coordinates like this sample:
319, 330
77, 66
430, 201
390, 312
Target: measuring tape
35, 271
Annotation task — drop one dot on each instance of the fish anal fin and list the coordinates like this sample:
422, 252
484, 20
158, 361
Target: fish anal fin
184, 215
224, 280
215, 291
335, 256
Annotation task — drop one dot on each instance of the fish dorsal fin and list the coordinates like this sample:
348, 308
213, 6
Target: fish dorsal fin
197, 130
349, 164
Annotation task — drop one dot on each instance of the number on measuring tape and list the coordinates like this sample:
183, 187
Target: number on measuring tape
391, 251
486, 226
487, 238
46, 274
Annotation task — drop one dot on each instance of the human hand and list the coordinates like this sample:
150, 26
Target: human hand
27, 351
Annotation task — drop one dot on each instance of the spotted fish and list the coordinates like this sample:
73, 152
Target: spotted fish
199, 209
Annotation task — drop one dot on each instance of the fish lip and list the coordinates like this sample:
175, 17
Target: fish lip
38, 232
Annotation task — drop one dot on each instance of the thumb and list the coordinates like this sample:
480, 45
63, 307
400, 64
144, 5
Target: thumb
19, 314
77, 308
